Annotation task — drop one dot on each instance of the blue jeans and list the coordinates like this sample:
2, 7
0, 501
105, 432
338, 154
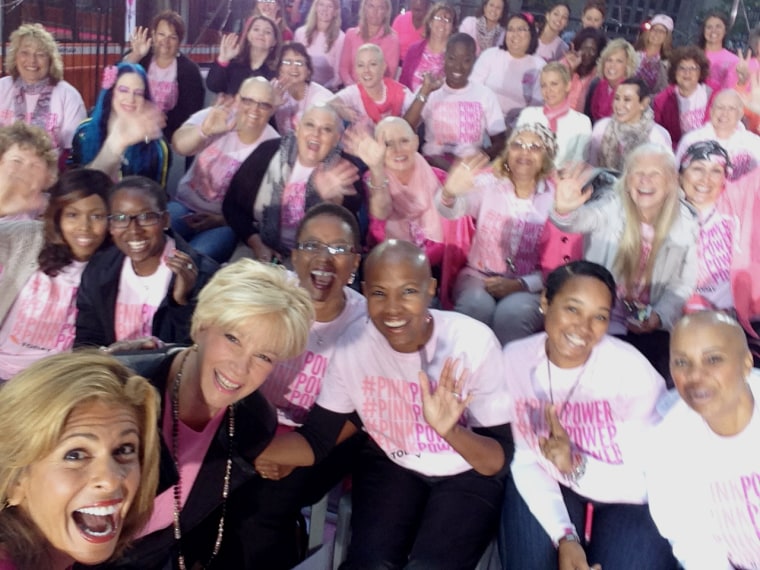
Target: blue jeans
216, 243
623, 536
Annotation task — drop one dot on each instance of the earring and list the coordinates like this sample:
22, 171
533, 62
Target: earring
351, 278
540, 310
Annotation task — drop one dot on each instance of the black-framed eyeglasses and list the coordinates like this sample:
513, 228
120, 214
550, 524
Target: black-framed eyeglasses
143, 219
313, 247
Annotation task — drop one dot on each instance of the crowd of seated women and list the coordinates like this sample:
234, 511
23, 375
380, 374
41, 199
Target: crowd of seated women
495, 278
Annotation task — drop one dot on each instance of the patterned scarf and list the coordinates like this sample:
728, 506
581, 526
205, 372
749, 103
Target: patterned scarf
41, 110
621, 138
486, 38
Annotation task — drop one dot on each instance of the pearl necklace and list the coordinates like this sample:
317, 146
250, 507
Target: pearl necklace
178, 486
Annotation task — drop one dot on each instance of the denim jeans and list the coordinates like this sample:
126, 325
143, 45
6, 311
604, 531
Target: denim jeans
216, 243
623, 536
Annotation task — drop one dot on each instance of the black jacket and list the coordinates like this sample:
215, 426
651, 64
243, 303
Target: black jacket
99, 287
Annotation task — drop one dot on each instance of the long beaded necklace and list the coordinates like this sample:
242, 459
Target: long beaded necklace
178, 486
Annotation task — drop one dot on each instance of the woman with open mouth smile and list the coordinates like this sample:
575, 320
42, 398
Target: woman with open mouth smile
429, 390
79, 464
578, 427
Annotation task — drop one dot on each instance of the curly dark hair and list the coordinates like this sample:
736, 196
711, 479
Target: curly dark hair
683, 53
533, 45
71, 187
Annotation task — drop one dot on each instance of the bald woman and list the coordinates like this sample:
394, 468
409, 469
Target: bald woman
428, 388
704, 467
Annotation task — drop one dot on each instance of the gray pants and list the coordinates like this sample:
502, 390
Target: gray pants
512, 317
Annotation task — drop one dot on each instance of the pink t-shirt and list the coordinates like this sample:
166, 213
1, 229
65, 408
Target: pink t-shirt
716, 236
456, 119
367, 376
325, 62
388, 44
431, 63
66, 111
163, 85
553, 51
290, 112
508, 228
204, 185
407, 33
293, 386
193, 446
293, 204
42, 319
722, 69
704, 489
515, 81
607, 421
139, 297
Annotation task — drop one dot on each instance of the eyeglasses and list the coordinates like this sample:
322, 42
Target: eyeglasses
296, 62
124, 90
688, 68
530, 147
442, 19
248, 102
143, 219
522, 30
314, 247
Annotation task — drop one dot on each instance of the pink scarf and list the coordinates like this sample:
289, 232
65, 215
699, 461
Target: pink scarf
601, 100
413, 215
394, 101
556, 113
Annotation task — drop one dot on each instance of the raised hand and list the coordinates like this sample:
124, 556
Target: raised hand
229, 49
358, 140
443, 406
573, 59
219, 119
556, 448
186, 273
572, 192
742, 66
461, 178
140, 42
334, 182
144, 125
430, 82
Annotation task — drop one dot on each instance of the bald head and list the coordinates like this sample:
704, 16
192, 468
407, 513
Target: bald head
726, 326
395, 124
397, 252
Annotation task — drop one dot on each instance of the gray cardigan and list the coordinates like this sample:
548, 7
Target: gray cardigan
20, 245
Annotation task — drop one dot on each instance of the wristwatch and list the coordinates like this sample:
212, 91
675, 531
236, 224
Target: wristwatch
569, 536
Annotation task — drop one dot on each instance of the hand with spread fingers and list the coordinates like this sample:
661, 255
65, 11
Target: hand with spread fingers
140, 42
461, 178
572, 188
557, 447
219, 118
335, 181
444, 405
229, 48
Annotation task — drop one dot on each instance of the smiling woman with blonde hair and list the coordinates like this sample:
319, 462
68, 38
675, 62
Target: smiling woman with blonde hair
78, 461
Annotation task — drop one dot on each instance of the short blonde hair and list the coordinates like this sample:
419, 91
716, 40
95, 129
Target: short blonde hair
559, 69
34, 408
619, 44
247, 289
40, 35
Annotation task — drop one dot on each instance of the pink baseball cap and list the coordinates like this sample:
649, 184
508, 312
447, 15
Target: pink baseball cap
662, 20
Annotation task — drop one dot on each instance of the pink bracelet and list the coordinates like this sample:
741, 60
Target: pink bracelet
222, 63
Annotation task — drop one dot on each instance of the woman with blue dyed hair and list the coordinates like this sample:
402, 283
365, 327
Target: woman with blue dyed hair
123, 135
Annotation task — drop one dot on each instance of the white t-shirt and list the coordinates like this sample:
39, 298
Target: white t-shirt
164, 89
367, 376
743, 148
204, 185
457, 119
704, 489
293, 386
139, 297
290, 112
66, 111
42, 319
716, 244
293, 205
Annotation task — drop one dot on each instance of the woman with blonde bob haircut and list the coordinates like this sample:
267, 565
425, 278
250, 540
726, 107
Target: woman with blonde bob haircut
646, 235
78, 430
34, 90
214, 422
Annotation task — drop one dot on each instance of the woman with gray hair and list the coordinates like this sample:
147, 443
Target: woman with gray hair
34, 90
213, 421
510, 202
643, 232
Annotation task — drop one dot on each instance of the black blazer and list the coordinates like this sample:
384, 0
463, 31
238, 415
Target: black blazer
99, 287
